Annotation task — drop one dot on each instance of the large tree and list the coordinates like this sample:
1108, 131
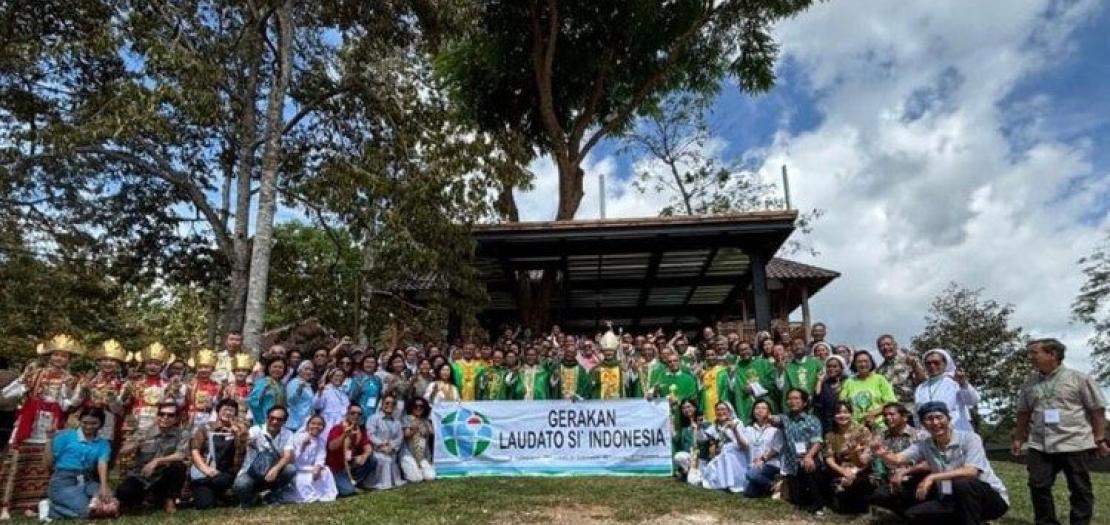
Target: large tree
977, 333
569, 73
1092, 307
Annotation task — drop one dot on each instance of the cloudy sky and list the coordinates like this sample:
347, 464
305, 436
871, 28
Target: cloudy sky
945, 141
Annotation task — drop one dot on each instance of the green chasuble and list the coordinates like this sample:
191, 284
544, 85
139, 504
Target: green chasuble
467, 373
714, 388
608, 381
572, 380
803, 374
747, 372
491, 384
684, 383
531, 382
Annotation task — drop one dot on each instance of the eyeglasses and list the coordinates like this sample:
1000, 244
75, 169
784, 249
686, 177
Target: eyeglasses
167, 414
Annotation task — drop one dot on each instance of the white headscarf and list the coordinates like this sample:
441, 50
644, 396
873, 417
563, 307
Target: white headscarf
949, 363
843, 364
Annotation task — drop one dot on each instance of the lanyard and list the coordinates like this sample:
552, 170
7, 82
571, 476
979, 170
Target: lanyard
941, 458
931, 386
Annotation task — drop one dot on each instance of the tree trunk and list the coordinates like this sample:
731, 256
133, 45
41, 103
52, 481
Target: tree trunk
267, 195
570, 188
247, 134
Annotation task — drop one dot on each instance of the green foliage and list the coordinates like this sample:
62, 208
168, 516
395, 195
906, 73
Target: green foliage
176, 316
314, 274
1092, 307
978, 335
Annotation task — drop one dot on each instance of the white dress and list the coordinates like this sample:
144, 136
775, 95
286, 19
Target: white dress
948, 391
308, 455
729, 468
332, 403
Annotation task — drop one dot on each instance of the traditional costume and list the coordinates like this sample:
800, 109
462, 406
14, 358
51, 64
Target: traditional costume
203, 392
46, 393
141, 397
103, 391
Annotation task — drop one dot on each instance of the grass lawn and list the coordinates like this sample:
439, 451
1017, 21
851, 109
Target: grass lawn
577, 501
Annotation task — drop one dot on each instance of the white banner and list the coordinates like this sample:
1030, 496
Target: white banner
628, 437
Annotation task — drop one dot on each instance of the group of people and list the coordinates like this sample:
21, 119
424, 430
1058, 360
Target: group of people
822, 425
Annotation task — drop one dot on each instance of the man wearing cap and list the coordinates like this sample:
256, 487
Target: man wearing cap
961, 484
1061, 424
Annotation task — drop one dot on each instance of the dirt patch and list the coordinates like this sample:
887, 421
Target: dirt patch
598, 514
560, 515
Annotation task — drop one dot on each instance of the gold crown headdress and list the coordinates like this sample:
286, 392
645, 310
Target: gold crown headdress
154, 352
203, 357
243, 361
61, 343
110, 349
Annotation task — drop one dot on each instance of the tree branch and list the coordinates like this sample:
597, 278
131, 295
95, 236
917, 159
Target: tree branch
161, 168
543, 56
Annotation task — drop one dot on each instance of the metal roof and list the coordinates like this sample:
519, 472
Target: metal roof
658, 270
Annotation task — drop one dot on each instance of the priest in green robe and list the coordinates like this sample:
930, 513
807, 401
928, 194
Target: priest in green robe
571, 379
752, 379
533, 380
714, 385
609, 379
492, 381
802, 370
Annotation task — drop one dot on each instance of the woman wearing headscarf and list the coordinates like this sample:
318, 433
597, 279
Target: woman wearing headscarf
762, 348
314, 481
300, 396
332, 401
829, 382
947, 384
867, 391
728, 469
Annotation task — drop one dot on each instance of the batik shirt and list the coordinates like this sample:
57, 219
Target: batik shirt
900, 375
802, 428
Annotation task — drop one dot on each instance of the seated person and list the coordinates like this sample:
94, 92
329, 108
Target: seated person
214, 449
158, 472
848, 458
79, 458
765, 443
268, 466
961, 485
349, 453
801, 466
895, 488
314, 481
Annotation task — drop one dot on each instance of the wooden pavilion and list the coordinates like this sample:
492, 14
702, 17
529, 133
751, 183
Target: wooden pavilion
675, 272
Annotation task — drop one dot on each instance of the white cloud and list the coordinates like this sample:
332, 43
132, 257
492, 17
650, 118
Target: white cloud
919, 181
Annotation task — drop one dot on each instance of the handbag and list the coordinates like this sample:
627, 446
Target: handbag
263, 461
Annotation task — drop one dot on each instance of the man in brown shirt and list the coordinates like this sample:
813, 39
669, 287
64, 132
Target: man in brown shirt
158, 472
1061, 422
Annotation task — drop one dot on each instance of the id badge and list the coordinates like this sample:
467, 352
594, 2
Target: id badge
1052, 416
80, 480
799, 448
946, 487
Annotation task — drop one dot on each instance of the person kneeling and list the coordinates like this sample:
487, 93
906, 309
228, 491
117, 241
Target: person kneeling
349, 455
962, 485
848, 458
314, 481
75, 454
158, 472
765, 446
728, 469
418, 436
268, 466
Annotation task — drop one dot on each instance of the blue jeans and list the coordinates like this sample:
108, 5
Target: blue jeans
760, 481
246, 487
69, 498
347, 486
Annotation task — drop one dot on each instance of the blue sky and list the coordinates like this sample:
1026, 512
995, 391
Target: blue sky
946, 141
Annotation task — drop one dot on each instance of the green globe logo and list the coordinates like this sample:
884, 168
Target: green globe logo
466, 433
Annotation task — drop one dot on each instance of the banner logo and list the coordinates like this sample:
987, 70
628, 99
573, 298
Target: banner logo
466, 433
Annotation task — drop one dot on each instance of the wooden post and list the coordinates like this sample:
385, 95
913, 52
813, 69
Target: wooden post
805, 312
759, 291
